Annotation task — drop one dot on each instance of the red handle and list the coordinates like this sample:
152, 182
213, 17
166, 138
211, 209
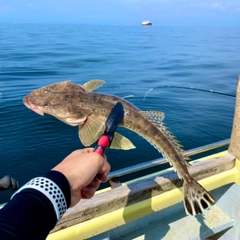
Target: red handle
102, 144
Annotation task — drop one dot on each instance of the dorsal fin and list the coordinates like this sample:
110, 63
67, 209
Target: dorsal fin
93, 85
175, 143
154, 116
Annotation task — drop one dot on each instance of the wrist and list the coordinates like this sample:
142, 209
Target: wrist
62, 183
54, 186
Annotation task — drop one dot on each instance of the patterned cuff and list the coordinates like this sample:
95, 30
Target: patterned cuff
51, 191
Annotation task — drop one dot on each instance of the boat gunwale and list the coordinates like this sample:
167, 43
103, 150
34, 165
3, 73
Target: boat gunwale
143, 189
159, 161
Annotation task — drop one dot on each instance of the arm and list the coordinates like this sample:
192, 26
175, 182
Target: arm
31, 214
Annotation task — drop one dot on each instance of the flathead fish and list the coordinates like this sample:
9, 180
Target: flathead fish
78, 106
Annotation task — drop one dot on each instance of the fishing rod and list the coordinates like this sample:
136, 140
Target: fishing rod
191, 88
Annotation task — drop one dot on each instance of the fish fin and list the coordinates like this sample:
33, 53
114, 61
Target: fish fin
175, 143
93, 85
196, 198
154, 116
91, 130
121, 142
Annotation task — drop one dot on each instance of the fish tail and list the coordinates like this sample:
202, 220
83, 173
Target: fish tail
196, 198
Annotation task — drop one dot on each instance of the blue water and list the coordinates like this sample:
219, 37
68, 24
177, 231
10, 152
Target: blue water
131, 60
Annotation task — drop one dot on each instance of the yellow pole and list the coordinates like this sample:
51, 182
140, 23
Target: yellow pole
234, 147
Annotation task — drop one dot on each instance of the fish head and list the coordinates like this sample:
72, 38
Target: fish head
61, 100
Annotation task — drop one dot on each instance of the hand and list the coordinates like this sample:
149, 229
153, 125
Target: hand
85, 170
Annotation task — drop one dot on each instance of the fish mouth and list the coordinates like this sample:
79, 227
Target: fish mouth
35, 108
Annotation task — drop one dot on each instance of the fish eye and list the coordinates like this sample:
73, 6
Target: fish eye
45, 104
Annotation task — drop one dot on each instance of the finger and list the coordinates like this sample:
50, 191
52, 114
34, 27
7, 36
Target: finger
103, 177
88, 191
104, 171
84, 151
88, 150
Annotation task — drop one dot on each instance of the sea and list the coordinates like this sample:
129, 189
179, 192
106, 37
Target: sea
155, 68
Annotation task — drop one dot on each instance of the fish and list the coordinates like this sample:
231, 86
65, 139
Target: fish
78, 105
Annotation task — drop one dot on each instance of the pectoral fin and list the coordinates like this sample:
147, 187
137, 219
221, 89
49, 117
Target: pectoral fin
91, 130
121, 142
93, 85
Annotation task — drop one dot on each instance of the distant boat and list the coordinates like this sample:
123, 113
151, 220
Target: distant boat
146, 23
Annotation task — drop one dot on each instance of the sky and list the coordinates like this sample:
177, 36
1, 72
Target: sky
123, 12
